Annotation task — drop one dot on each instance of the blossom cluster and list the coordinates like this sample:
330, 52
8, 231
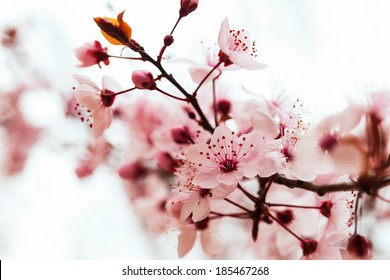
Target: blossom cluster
226, 168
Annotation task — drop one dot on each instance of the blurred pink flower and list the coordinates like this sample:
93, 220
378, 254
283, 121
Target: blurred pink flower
210, 243
97, 103
92, 53
143, 79
237, 48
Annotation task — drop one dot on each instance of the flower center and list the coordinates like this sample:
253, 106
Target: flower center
107, 97
228, 165
327, 142
240, 42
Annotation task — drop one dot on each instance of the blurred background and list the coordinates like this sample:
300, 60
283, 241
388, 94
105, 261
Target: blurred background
325, 52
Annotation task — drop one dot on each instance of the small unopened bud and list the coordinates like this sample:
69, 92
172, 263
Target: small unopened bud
143, 79
168, 40
224, 106
166, 162
309, 246
187, 7
132, 171
359, 247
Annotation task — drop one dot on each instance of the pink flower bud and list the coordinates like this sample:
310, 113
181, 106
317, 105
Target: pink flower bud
359, 247
187, 7
143, 79
132, 171
166, 162
92, 53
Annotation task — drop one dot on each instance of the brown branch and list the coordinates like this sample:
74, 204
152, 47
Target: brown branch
319, 189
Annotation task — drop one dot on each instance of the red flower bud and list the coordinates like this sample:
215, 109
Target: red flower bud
143, 79
168, 40
359, 247
187, 7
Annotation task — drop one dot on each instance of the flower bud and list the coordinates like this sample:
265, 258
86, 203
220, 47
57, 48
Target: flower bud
132, 171
92, 53
187, 7
143, 79
166, 162
359, 247
168, 40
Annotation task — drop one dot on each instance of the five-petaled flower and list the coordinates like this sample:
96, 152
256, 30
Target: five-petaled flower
226, 158
237, 48
94, 104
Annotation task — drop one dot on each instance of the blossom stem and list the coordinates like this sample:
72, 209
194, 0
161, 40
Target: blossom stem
126, 57
238, 205
382, 198
123, 91
170, 95
249, 195
159, 58
234, 215
356, 212
190, 98
206, 77
285, 227
215, 99
291, 205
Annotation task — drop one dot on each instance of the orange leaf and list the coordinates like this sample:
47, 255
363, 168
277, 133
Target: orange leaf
116, 31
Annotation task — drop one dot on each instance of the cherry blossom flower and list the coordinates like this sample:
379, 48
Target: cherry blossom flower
226, 158
196, 200
94, 105
326, 246
331, 144
143, 79
237, 48
210, 243
91, 54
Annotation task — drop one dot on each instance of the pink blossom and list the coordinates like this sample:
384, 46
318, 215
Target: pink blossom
98, 153
143, 79
210, 243
331, 144
196, 200
91, 54
326, 245
237, 48
226, 158
94, 105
